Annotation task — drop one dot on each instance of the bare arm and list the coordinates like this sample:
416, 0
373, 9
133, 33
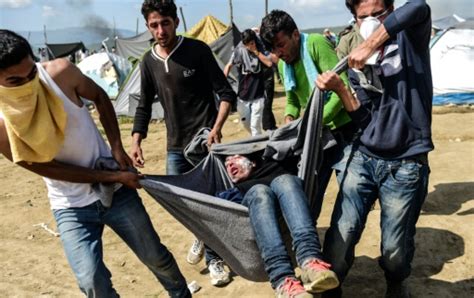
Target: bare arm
215, 135
67, 172
227, 69
358, 57
86, 88
266, 60
330, 81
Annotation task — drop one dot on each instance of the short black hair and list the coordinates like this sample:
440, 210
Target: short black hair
13, 49
351, 4
165, 8
274, 22
248, 35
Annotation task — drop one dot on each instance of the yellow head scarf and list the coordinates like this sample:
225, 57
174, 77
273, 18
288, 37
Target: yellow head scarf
35, 121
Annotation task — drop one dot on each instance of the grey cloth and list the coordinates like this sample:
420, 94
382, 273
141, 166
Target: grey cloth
105, 191
368, 78
225, 226
248, 62
197, 149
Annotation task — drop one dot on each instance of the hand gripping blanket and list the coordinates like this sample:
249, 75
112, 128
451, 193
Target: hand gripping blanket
225, 226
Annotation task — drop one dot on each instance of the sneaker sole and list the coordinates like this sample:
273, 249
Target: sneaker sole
326, 281
220, 282
195, 261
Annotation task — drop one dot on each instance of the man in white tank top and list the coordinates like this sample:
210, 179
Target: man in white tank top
49, 95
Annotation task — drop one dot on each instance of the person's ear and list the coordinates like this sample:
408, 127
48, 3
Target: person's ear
176, 21
296, 34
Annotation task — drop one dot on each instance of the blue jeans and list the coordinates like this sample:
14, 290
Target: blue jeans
284, 196
177, 164
81, 232
329, 158
401, 187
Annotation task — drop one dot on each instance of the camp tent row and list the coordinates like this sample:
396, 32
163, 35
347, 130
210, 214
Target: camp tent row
107, 70
221, 39
452, 61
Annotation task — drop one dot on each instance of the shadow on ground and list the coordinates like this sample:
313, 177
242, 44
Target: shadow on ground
434, 249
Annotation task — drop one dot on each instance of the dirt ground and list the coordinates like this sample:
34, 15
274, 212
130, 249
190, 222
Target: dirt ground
33, 263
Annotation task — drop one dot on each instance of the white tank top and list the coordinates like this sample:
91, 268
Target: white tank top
82, 146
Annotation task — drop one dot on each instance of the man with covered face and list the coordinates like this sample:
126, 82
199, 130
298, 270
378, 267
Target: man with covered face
389, 161
47, 129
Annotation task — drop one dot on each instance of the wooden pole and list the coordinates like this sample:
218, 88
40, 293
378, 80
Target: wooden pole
231, 12
137, 28
115, 29
182, 17
45, 36
266, 7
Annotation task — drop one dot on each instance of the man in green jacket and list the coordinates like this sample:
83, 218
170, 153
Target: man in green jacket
302, 58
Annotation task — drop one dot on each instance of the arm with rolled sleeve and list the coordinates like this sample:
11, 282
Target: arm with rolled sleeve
325, 58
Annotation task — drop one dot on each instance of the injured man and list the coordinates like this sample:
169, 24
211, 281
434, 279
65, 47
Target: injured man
269, 190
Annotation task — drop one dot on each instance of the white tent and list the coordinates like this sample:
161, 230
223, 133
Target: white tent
452, 62
127, 101
107, 70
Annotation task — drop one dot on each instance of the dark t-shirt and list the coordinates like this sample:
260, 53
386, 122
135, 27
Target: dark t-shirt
184, 83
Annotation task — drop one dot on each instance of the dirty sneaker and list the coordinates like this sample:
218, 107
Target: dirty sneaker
196, 252
291, 288
219, 276
317, 277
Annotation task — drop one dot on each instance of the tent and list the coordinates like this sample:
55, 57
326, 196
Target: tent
222, 46
134, 46
447, 22
107, 70
208, 29
60, 50
452, 60
127, 101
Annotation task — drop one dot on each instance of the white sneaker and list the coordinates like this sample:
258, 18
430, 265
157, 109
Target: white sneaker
196, 252
219, 276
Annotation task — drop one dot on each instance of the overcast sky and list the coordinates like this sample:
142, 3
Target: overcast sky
25, 15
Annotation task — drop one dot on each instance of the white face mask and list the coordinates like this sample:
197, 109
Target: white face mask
368, 26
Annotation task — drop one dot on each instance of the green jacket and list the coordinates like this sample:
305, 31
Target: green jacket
348, 42
324, 58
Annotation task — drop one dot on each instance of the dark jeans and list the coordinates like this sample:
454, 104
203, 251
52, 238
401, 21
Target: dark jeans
81, 234
401, 187
344, 136
284, 196
177, 164
268, 119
